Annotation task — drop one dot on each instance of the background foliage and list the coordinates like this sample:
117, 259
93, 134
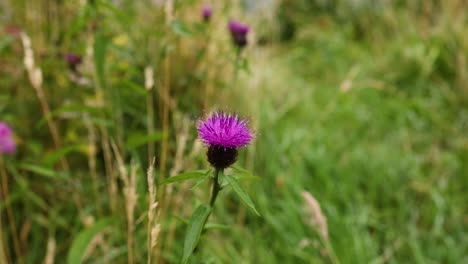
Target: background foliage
363, 104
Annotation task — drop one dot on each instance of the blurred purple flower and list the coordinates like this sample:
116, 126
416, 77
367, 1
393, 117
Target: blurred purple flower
73, 60
5, 130
7, 143
224, 133
207, 11
238, 33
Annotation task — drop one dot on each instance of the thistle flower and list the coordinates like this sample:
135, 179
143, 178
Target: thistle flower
7, 143
238, 33
73, 60
223, 133
206, 12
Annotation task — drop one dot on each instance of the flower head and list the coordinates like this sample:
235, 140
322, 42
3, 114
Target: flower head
7, 143
73, 60
238, 33
5, 130
224, 133
206, 12
225, 130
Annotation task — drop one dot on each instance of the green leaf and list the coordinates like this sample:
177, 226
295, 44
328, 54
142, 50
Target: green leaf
242, 174
184, 176
180, 28
241, 193
28, 194
51, 158
194, 230
100, 47
81, 241
111, 255
137, 139
135, 87
5, 42
121, 15
216, 226
202, 180
74, 108
42, 171
10, 199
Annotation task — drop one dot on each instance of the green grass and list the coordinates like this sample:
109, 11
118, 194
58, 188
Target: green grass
365, 108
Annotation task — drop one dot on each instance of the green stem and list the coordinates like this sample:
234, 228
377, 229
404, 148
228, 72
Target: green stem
216, 187
236, 66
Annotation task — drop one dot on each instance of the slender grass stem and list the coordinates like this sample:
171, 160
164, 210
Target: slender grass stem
3, 256
10, 215
333, 258
165, 95
150, 123
237, 61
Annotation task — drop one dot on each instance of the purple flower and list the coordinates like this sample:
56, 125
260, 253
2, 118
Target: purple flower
224, 133
7, 144
207, 11
73, 60
224, 130
5, 130
238, 33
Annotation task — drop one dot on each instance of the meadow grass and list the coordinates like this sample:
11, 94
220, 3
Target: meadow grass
364, 108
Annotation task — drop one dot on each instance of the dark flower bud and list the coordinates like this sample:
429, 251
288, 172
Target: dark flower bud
238, 33
221, 157
73, 61
207, 11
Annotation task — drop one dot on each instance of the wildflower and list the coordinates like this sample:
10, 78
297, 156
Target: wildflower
7, 143
207, 11
73, 60
5, 130
224, 133
13, 30
238, 33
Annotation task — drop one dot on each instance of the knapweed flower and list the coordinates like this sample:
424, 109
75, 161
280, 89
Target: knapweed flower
7, 143
73, 60
206, 12
223, 133
238, 33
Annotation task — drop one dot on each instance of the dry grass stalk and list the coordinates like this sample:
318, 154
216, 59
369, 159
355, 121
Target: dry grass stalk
181, 140
317, 220
105, 145
347, 83
149, 83
35, 77
149, 78
153, 229
108, 166
130, 195
97, 240
51, 247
